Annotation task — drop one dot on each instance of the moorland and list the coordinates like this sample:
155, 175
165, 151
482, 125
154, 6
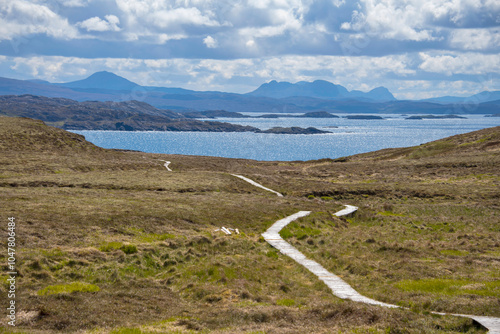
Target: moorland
112, 242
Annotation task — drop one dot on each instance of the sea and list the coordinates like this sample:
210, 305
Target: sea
346, 137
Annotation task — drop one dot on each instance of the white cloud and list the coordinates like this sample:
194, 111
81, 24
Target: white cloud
163, 38
418, 20
210, 42
110, 23
250, 43
451, 63
51, 68
23, 18
181, 16
74, 3
149, 14
398, 19
475, 39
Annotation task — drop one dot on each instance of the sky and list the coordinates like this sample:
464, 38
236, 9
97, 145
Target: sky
416, 48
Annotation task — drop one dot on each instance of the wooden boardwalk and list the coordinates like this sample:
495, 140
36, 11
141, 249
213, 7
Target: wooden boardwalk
252, 182
338, 286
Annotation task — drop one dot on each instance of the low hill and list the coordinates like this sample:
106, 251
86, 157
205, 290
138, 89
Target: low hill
25, 134
94, 115
484, 142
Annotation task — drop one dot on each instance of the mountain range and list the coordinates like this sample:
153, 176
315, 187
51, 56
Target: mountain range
274, 97
319, 89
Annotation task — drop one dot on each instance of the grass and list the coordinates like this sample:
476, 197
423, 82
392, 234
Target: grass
451, 287
67, 288
148, 239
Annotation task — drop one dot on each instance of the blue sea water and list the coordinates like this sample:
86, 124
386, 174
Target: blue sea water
347, 137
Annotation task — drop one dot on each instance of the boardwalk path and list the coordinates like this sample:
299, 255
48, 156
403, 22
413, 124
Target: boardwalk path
338, 286
167, 163
257, 185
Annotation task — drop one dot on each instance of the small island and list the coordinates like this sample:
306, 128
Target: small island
420, 117
313, 114
214, 114
364, 117
318, 114
294, 130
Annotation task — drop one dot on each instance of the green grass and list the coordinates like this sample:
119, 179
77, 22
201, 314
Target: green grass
129, 249
450, 287
432, 149
68, 288
127, 331
286, 302
390, 214
111, 246
454, 252
115, 245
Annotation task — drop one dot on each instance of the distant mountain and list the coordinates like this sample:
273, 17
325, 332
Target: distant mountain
102, 80
20, 87
273, 97
319, 89
38, 81
376, 94
482, 97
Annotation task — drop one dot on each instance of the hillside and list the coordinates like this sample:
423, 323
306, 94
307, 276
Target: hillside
111, 242
123, 116
93, 115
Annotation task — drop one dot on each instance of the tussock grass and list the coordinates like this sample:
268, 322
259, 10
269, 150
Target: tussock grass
68, 288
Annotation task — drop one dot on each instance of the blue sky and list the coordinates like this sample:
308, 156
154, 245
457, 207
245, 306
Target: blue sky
416, 48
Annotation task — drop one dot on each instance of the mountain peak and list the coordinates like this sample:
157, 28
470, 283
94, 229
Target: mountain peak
102, 80
320, 89
381, 94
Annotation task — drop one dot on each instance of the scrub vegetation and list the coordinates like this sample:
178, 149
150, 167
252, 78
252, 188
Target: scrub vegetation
111, 242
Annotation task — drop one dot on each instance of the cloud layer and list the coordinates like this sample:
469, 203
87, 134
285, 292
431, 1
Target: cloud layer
237, 45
